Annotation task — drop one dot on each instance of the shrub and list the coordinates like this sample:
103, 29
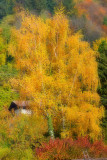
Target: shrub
19, 135
4, 152
69, 149
98, 149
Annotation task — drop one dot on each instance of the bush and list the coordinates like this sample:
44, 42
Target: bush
71, 149
98, 149
20, 135
4, 152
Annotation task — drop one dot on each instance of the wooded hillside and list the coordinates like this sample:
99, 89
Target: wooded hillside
53, 55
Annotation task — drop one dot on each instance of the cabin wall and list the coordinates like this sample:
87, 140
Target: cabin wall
23, 111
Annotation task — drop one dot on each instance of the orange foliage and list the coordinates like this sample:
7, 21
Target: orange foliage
58, 72
93, 11
104, 27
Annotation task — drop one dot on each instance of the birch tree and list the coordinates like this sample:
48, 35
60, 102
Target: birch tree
58, 73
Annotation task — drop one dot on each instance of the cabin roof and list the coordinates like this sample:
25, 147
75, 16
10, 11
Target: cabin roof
19, 104
22, 103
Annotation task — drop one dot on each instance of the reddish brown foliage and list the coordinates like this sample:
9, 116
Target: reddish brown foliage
94, 11
68, 148
98, 149
104, 27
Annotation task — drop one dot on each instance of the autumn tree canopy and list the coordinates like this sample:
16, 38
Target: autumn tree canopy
58, 73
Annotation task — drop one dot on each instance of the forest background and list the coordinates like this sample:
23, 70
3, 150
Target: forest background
82, 17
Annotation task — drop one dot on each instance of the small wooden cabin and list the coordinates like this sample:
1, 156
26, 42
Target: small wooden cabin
20, 107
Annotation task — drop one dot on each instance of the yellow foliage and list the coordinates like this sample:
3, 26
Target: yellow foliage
98, 42
2, 50
58, 72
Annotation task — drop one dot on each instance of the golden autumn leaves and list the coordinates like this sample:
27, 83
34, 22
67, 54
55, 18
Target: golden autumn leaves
58, 73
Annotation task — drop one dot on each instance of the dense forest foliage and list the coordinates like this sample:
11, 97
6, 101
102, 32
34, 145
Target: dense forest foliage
53, 53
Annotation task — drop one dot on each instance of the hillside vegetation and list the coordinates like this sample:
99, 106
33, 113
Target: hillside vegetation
53, 53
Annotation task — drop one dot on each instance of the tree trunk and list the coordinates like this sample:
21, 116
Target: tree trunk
50, 127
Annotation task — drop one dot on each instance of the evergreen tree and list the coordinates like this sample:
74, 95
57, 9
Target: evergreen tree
69, 6
40, 5
6, 7
101, 47
102, 69
51, 4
